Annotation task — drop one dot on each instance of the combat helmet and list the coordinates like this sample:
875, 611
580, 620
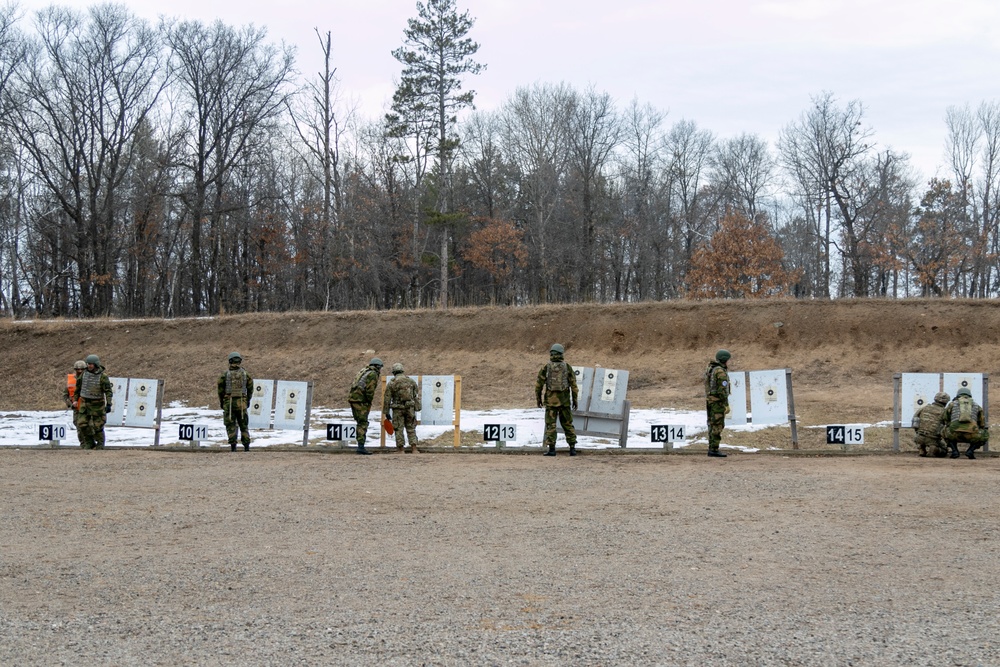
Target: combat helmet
93, 359
964, 391
942, 398
375, 362
397, 368
557, 349
80, 365
235, 357
722, 356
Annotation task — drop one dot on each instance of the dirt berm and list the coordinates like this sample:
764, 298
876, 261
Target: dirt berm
842, 354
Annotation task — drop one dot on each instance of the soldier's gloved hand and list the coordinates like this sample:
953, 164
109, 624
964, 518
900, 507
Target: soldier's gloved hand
576, 406
107, 408
539, 402
727, 408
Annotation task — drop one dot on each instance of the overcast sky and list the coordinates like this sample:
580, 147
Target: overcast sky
731, 66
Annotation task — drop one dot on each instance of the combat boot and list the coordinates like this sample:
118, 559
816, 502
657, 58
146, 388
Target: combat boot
716, 454
954, 450
551, 451
232, 446
246, 447
572, 450
362, 450
970, 452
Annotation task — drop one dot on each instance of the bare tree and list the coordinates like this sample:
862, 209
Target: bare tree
91, 81
235, 87
744, 173
534, 125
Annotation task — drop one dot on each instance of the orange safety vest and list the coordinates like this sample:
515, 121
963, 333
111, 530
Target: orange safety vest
71, 385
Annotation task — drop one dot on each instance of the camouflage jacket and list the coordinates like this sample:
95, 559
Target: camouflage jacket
927, 420
365, 382
717, 383
556, 399
403, 392
951, 417
224, 380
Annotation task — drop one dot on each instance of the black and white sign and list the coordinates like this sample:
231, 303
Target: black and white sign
666, 433
193, 432
51, 431
838, 434
341, 431
500, 432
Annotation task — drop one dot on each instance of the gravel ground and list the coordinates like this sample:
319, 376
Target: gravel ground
284, 558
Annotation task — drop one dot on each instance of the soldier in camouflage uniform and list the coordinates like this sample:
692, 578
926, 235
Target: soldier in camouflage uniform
235, 389
717, 399
558, 381
964, 421
360, 398
93, 396
69, 396
927, 428
402, 395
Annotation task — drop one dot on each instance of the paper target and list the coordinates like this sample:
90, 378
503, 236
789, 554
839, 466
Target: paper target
916, 391
290, 405
737, 399
259, 407
141, 403
119, 388
971, 381
768, 397
438, 392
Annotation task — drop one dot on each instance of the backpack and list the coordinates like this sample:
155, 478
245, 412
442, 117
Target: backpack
965, 413
557, 376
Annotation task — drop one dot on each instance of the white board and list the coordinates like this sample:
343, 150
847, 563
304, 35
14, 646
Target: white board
737, 399
437, 396
141, 403
768, 397
259, 408
117, 414
916, 391
971, 381
290, 405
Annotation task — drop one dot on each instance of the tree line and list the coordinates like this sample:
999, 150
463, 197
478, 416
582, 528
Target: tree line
185, 168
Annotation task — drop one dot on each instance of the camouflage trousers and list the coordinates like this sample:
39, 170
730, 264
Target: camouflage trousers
928, 444
360, 413
975, 440
564, 415
90, 422
716, 423
236, 419
77, 421
405, 419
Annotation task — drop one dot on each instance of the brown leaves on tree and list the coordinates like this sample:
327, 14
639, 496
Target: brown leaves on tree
742, 260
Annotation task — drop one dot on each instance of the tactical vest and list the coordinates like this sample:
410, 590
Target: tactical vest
361, 381
236, 383
930, 420
90, 386
402, 391
712, 381
557, 376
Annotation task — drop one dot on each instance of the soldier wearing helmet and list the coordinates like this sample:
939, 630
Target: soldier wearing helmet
558, 382
927, 427
964, 421
717, 399
360, 397
402, 395
235, 388
93, 397
73, 379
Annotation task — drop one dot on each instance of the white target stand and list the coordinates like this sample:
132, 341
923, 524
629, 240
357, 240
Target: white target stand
440, 400
603, 409
290, 403
769, 397
912, 391
136, 403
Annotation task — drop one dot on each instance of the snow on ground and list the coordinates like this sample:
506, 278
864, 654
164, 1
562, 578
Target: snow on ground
21, 429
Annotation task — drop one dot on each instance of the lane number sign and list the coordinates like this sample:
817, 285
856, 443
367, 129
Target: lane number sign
193, 432
666, 433
500, 432
341, 431
51, 432
838, 434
